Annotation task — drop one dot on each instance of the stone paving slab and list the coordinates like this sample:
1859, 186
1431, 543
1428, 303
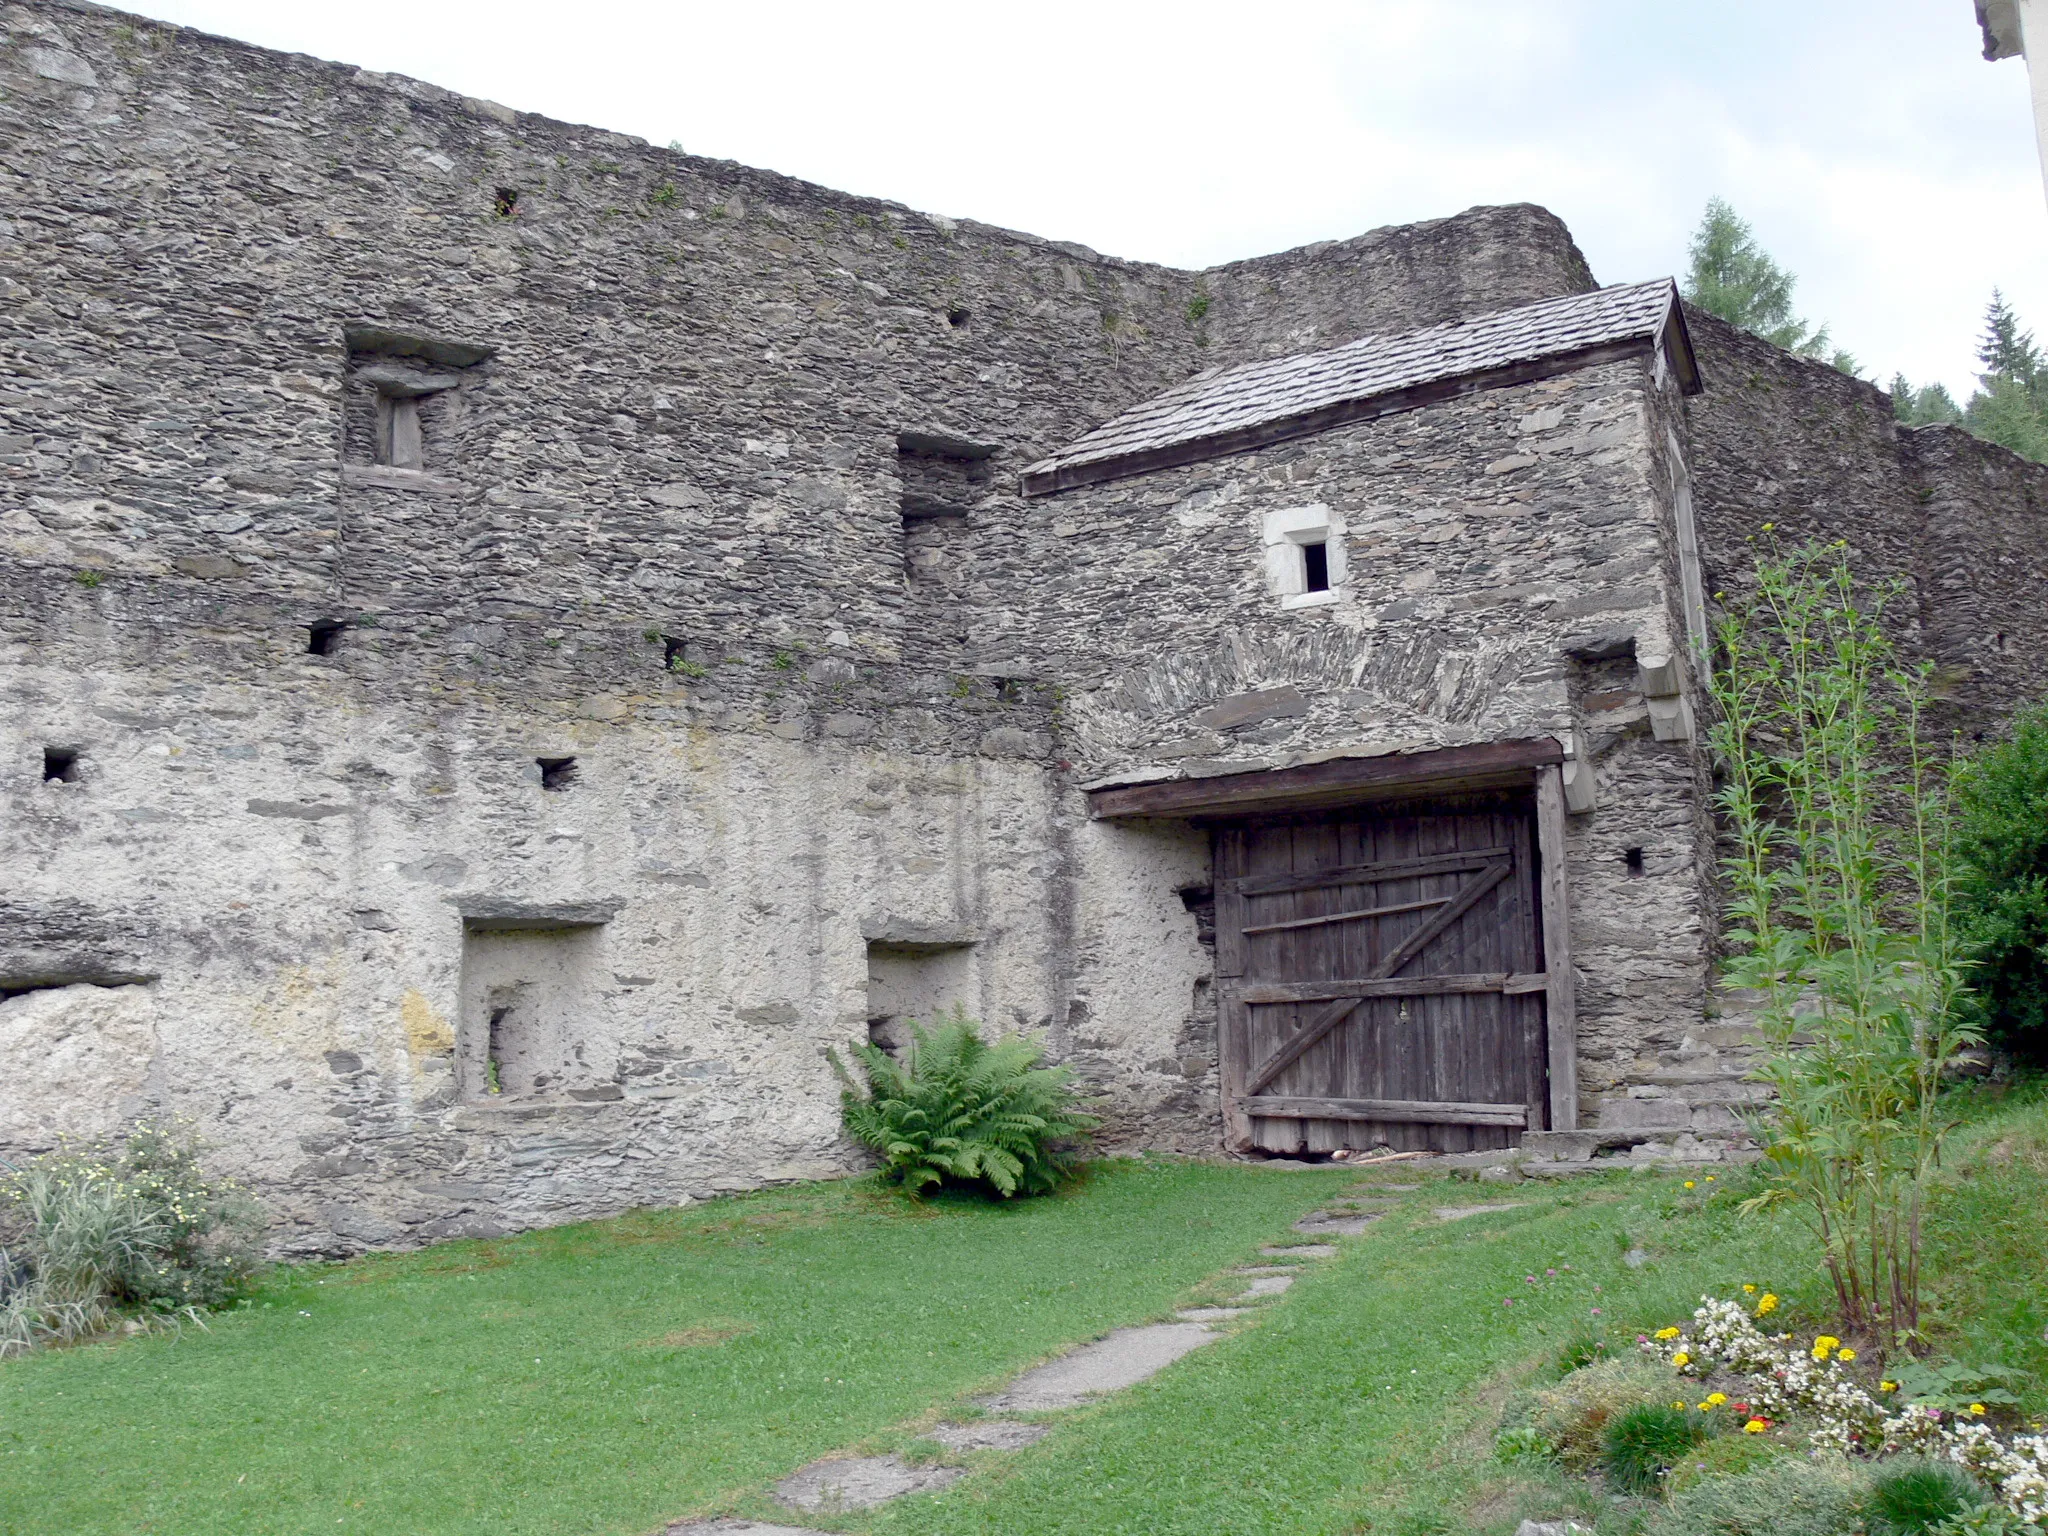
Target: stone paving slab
990, 1435
1460, 1212
1301, 1251
1210, 1314
1265, 1269
1266, 1285
856, 1482
1121, 1359
1329, 1224
738, 1528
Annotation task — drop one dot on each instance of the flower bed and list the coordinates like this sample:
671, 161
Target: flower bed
1779, 1376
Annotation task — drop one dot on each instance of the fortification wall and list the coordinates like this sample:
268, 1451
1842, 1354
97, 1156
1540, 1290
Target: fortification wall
1391, 280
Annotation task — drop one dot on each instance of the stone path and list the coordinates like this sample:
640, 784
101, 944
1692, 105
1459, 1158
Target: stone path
1122, 1359
1084, 1375
1460, 1212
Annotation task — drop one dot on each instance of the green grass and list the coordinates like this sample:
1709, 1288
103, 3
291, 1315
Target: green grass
520, 1386
512, 1386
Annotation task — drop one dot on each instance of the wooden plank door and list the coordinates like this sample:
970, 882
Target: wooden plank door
1380, 980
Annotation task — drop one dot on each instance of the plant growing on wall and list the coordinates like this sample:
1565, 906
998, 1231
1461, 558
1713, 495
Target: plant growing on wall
962, 1110
1840, 907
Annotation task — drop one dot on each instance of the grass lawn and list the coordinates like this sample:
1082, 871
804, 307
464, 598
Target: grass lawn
608, 1377
604, 1377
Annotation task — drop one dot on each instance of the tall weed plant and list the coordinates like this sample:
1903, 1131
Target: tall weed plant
130, 1226
958, 1109
1840, 901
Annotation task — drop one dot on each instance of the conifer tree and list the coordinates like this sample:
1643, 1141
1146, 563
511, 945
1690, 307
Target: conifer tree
1735, 278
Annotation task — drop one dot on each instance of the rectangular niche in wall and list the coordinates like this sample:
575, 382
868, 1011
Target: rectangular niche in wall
404, 402
533, 1022
917, 981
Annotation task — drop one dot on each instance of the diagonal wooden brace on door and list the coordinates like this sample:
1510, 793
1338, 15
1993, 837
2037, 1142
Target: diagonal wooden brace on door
1320, 1024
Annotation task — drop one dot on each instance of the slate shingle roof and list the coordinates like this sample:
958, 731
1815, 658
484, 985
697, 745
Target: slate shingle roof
1230, 410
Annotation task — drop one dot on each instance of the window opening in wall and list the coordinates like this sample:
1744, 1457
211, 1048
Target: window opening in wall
957, 317
323, 637
60, 765
673, 651
1315, 567
1632, 861
404, 405
506, 201
494, 1050
556, 772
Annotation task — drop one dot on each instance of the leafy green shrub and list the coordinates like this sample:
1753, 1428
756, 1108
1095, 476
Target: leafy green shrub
2001, 879
132, 1223
1572, 1415
1640, 1444
1792, 1496
1523, 1444
1955, 1387
1912, 1495
961, 1110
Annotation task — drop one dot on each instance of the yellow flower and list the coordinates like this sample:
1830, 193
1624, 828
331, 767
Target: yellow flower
1976, 1407
1680, 1406
1749, 1290
1716, 1399
1755, 1427
1768, 1304
1688, 1183
1681, 1359
1667, 1333
1887, 1386
1701, 1407
1845, 1355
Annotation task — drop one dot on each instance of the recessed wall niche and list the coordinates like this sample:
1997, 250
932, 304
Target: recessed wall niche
407, 402
533, 1022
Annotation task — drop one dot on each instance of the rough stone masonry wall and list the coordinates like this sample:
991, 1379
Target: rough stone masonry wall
1507, 553
656, 528
1787, 441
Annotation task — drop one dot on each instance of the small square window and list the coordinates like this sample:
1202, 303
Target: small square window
556, 773
1304, 555
60, 765
1315, 567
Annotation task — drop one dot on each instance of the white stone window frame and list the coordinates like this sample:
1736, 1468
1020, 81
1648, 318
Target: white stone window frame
1285, 533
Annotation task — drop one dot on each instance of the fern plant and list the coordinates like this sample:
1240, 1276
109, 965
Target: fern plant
962, 1110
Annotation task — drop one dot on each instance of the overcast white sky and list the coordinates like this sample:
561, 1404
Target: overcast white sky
1878, 156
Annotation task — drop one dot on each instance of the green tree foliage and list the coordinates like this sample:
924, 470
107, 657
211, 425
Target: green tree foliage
2010, 404
961, 1110
1735, 278
2002, 884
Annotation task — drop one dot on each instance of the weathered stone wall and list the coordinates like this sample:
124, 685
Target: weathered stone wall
1391, 280
1785, 441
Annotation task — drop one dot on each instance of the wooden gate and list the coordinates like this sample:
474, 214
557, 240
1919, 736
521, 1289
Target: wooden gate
1380, 979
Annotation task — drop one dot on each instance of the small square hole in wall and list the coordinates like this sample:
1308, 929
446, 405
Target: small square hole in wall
556, 773
505, 200
60, 765
1632, 862
322, 637
958, 317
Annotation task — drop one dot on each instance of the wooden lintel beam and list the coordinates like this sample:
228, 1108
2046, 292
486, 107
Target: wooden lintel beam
1236, 794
